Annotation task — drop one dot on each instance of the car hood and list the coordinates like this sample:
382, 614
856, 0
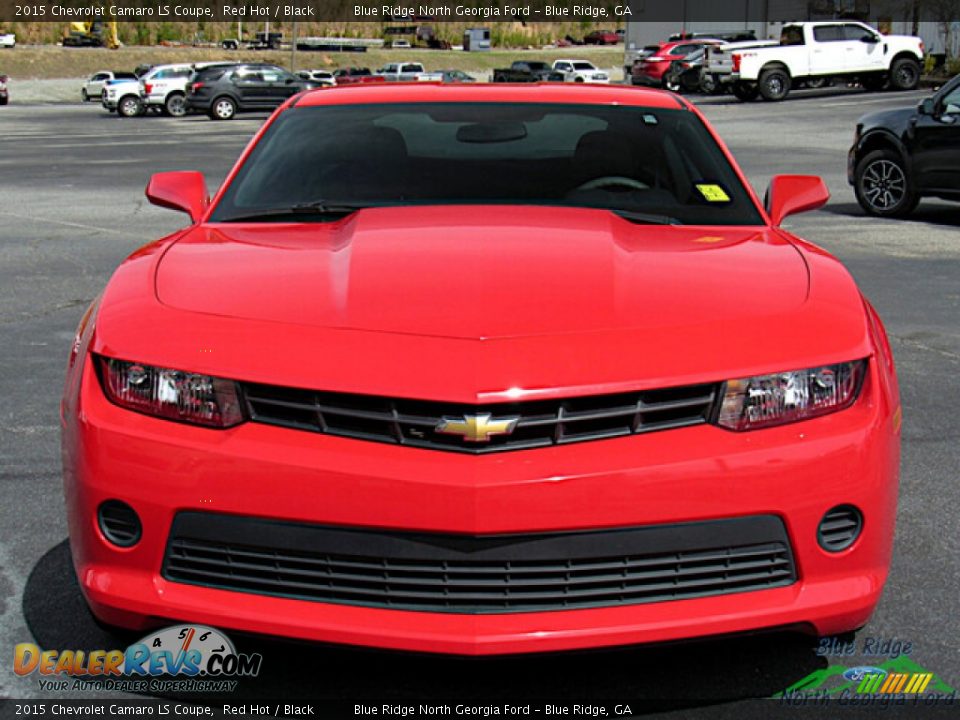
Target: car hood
481, 273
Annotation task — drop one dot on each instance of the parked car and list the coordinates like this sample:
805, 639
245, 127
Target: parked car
499, 377
165, 86
901, 156
322, 78
830, 49
8, 40
652, 69
580, 71
602, 37
122, 96
456, 76
221, 92
356, 75
4, 90
93, 86
400, 45
407, 72
687, 75
528, 71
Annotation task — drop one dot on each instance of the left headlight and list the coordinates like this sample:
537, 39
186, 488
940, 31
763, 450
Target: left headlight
786, 397
171, 394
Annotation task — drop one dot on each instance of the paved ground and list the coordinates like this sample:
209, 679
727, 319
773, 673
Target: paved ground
71, 207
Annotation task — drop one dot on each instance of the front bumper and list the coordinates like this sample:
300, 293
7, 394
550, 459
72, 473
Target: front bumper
795, 472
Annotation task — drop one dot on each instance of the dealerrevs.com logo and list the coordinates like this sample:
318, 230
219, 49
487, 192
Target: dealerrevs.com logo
181, 658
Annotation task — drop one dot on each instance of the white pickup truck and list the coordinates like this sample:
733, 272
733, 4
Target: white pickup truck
408, 72
580, 71
831, 49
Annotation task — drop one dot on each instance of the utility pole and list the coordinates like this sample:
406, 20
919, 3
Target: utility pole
293, 48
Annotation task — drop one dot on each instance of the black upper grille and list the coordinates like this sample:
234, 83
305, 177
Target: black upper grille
539, 423
479, 574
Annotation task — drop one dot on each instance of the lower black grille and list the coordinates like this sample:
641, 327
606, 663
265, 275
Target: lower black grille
479, 574
443, 426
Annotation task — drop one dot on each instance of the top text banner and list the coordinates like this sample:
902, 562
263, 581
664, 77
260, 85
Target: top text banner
473, 11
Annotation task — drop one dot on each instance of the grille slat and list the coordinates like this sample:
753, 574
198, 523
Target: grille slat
540, 423
479, 574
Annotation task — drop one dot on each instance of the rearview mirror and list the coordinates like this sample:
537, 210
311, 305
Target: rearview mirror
792, 194
184, 190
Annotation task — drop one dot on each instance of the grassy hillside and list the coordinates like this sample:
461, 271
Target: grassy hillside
504, 34
43, 62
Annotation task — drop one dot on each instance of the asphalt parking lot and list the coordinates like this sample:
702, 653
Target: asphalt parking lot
72, 207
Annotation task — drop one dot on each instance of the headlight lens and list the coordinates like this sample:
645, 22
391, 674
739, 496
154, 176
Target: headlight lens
786, 397
171, 394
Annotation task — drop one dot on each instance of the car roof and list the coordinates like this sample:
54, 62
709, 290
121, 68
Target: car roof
581, 93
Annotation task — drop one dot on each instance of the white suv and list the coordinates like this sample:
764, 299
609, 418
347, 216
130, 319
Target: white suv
165, 86
580, 71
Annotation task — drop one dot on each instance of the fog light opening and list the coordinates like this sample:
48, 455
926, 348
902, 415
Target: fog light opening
119, 523
839, 528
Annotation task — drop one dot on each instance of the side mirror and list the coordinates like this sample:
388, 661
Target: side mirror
927, 107
792, 194
184, 191
870, 39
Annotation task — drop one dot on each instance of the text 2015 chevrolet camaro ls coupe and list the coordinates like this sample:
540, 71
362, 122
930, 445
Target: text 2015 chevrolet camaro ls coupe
482, 370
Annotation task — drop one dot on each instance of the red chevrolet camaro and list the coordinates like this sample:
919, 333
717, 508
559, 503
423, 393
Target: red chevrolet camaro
482, 369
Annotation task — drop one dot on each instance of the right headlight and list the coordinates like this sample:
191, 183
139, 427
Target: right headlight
171, 394
785, 397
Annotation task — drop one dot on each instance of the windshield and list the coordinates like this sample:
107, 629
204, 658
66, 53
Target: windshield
631, 159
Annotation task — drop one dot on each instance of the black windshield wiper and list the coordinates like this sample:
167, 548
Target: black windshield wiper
319, 208
644, 218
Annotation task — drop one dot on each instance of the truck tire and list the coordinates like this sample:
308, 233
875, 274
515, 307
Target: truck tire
745, 91
223, 108
904, 74
129, 106
708, 84
175, 105
774, 84
883, 186
84, 96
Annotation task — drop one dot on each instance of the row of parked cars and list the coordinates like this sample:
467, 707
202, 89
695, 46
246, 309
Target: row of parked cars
580, 71
808, 54
223, 89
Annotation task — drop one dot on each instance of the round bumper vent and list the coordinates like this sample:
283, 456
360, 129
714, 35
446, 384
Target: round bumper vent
119, 523
839, 528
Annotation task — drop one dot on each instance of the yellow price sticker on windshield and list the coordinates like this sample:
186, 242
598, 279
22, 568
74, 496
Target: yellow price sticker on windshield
713, 193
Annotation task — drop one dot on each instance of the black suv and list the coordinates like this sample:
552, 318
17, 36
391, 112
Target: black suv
222, 92
899, 156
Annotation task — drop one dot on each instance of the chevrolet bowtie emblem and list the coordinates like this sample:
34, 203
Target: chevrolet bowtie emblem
477, 428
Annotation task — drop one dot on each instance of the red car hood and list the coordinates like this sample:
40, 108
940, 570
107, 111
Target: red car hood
483, 274
477, 304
